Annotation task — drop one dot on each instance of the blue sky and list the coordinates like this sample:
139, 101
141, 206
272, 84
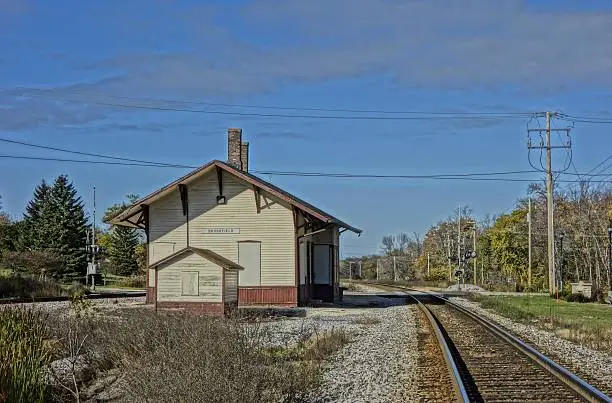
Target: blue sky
59, 61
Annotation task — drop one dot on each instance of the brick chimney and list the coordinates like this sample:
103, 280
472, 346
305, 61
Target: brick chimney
234, 147
244, 156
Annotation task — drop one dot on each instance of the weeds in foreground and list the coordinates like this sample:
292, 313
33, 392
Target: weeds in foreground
24, 355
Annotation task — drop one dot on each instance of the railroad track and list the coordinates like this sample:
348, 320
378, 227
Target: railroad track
486, 363
124, 294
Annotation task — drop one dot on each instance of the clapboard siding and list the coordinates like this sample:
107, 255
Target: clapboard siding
210, 282
167, 227
231, 286
273, 226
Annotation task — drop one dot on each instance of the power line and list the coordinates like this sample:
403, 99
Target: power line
27, 91
149, 163
296, 116
463, 176
584, 119
600, 164
92, 154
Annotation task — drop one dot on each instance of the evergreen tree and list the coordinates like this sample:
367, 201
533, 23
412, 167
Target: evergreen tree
123, 242
122, 253
36, 235
68, 226
55, 221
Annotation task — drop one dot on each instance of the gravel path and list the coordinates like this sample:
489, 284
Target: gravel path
594, 366
379, 365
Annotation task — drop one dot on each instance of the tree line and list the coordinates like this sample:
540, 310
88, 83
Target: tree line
50, 238
582, 216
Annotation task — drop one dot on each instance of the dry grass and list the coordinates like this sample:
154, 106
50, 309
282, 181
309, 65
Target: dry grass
158, 357
180, 357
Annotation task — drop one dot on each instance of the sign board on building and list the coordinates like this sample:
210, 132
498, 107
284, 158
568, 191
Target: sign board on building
222, 230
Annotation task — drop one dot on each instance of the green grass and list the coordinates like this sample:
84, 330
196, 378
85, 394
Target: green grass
585, 323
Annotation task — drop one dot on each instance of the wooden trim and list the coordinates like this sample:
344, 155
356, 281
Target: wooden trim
297, 251
184, 200
220, 179
222, 285
257, 194
156, 287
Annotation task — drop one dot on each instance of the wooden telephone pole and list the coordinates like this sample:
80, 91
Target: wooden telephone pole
529, 242
552, 286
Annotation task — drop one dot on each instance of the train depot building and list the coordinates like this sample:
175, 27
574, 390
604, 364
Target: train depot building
220, 222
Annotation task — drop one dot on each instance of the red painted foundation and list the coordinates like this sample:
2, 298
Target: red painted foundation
264, 295
150, 298
208, 308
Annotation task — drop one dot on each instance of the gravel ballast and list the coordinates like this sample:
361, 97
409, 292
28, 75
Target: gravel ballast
594, 366
379, 365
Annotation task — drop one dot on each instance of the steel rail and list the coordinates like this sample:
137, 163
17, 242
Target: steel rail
458, 385
577, 384
125, 294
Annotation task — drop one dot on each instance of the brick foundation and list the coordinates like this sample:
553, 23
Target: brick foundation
285, 296
207, 308
150, 298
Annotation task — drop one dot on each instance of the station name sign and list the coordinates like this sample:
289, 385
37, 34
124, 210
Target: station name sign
222, 230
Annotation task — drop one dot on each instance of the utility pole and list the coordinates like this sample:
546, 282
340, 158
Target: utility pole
450, 267
529, 242
360, 274
549, 207
428, 264
552, 285
377, 268
459, 237
92, 249
474, 239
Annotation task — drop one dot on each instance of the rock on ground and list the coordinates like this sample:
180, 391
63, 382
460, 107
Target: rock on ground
378, 365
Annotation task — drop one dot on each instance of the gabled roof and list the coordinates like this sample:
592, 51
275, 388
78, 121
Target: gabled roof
132, 216
206, 254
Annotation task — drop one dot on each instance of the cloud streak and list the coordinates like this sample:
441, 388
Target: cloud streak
435, 44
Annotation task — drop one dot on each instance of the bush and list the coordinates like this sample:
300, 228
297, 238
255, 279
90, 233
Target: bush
569, 297
132, 282
27, 286
437, 274
33, 262
24, 355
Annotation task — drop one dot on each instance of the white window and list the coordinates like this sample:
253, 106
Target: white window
189, 283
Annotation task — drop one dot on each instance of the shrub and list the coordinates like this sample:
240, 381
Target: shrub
437, 274
33, 262
24, 355
132, 282
27, 286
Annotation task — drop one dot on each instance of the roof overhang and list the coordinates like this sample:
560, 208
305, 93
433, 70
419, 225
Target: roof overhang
133, 216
